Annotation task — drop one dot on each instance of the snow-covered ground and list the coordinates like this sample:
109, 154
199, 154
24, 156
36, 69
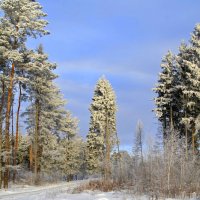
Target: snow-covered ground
62, 191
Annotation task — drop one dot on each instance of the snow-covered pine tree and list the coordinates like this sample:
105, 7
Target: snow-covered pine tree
51, 156
189, 74
42, 95
70, 143
102, 132
22, 18
70, 126
71, 157
167, 100
61, 149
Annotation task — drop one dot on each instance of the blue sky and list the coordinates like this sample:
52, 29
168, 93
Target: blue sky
124, 40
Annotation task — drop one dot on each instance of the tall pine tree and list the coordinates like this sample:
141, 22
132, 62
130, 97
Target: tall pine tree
102, 132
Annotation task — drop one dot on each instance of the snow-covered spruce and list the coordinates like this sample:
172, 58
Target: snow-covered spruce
102, 132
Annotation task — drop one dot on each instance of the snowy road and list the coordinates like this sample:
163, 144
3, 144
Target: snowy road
38, 193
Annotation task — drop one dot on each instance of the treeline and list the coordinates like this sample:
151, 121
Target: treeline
178, 92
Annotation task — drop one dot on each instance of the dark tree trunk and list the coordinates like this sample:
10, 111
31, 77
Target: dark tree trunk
36, 147
17, 132
31, 157
107, 170
7, 134
1, 128
12, 134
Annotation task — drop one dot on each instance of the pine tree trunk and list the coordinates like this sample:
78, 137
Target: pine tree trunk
7, 134
107, 157
186, 139
31, 157
171, 119
1, 129
17, 132
12, 134
193, 141
36, 142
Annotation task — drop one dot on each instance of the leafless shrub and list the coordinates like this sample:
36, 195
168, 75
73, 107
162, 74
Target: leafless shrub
101, 185
169, 172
